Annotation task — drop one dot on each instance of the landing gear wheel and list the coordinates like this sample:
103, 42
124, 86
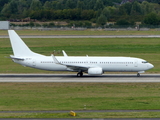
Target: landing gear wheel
80, 74
138, 75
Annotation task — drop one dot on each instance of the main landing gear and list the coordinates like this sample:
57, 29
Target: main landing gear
80, 74
138, 75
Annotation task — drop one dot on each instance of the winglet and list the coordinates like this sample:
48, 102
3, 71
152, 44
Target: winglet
54, 59
64, 53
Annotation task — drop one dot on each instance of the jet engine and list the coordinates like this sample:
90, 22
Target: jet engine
95, 71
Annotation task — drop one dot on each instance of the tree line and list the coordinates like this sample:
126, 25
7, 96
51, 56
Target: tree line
95, 11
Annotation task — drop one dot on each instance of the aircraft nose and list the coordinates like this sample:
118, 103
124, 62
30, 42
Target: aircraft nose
150, 66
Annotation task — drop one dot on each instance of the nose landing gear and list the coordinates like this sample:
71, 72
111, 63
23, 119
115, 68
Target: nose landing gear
138, 75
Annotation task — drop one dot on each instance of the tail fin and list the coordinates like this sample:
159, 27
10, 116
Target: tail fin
18, 46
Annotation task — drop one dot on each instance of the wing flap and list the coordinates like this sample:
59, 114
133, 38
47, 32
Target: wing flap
77, 68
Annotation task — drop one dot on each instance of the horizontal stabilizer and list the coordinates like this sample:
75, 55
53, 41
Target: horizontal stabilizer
16, 58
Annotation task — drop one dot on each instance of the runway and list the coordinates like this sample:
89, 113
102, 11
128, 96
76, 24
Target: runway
81, 119
106, 78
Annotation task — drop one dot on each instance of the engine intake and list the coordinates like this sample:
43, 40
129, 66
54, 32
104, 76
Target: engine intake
95, 71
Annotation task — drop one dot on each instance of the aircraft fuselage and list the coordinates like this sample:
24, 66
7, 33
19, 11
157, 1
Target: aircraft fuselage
116, 64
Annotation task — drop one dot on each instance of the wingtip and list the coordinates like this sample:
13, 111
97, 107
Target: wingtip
64, 53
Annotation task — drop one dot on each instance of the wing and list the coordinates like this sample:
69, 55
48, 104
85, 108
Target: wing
71, 67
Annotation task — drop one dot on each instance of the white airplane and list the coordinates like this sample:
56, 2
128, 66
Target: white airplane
91, 65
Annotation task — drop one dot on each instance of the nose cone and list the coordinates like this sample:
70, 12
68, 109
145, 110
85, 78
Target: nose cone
150, 66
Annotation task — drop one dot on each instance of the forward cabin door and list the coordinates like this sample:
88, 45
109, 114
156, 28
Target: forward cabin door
34, 63
135, 63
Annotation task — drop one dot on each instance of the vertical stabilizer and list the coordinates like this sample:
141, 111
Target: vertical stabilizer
18, 46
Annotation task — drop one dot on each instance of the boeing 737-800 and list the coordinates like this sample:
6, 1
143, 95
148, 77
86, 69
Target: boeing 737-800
91, 65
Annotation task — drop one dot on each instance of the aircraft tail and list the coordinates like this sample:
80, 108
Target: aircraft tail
18, 46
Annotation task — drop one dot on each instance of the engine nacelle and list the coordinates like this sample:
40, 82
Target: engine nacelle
95, 71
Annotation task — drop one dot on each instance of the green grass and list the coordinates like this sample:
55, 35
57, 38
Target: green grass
84, 32
83, 115
145, 48
73, 96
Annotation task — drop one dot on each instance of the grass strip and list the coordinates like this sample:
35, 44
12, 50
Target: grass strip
83, 32
79, 96
83, 115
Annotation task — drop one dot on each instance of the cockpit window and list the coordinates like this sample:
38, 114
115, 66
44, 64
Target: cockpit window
144, 62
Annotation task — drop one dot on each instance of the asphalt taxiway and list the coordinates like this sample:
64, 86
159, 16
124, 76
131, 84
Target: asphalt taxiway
83, 119
106, 78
